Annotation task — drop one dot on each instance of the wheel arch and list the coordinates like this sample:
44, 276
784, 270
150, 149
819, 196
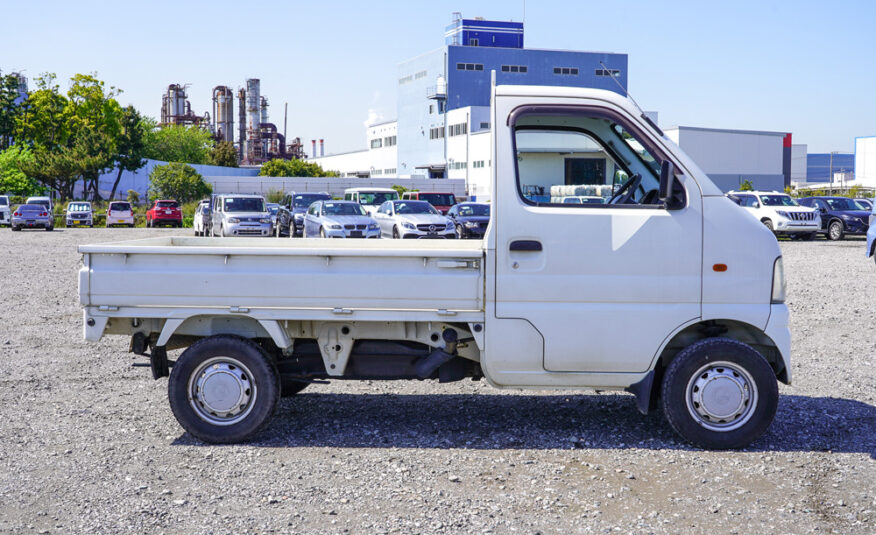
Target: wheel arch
211, 325
694, 332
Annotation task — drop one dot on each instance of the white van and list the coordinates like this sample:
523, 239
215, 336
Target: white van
370, 198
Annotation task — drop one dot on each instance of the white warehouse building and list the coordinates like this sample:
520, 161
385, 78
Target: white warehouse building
865, 161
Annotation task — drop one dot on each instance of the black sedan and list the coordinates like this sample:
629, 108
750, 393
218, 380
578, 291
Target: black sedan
839, 216
471, 219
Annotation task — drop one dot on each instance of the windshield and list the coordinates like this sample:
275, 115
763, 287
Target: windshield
122, 206
438, 199
474, 210
245, 204
377, 198
843, 204
414, 207
778, 200
306, 199
274, 208
78, 207
342, 208
167, 204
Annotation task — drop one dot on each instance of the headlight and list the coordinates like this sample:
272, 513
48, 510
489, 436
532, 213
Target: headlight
783, 214
847, 217
778, 295
409, 226
470, 224
265, 220
234, 220
373, 226
336, 227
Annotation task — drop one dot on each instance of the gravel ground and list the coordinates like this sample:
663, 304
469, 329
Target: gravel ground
89, 444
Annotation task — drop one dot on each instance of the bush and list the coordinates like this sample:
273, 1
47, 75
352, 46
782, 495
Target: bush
293, 168
275, 196
746, 186
133, 196
177, 181
12, 179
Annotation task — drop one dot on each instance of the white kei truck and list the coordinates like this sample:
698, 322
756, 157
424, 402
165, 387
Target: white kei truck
669, 291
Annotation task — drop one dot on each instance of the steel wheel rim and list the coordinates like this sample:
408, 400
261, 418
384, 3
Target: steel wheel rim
221, 391
721, 396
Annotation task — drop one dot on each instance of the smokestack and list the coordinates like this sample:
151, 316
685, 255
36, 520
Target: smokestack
321, 148
313, 148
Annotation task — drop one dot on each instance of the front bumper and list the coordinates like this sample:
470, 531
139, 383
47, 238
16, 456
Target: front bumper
779, 332
351, 233
856, 227
409, 234
791, 226
249, 229
73, 222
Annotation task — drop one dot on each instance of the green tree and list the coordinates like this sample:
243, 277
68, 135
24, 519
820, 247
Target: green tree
130, 145
182, 144
12, 179
177, 181
746, 186
293, 168
44, 119
223, 154
10, 111
57, 170
133, 196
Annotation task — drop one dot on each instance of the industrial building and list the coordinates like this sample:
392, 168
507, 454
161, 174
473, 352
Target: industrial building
442, 130
865, 161
731, 157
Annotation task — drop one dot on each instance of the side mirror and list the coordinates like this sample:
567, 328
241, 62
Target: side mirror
667, 178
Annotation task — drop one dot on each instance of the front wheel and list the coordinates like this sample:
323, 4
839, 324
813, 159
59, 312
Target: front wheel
719, 393
835, 231
459, 233
321, 232
768, 224
395, 235
223, 389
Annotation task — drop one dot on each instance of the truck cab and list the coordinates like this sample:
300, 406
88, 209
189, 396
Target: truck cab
667, 290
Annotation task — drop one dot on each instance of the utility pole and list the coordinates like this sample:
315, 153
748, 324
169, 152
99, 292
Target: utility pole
830, 172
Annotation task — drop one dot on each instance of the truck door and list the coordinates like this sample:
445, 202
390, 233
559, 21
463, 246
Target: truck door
604, 284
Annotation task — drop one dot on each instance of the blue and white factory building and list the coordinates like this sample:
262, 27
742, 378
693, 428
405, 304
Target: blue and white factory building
442, 127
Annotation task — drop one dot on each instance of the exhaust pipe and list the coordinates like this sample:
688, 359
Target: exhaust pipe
427, 365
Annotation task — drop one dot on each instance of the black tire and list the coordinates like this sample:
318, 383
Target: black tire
395, 235
243, 366
15, 228
321, 232
835, 230
49, 229
460, 234
768, 224
719, 363
809, 236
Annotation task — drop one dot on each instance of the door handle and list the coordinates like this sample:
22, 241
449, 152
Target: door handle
526, 245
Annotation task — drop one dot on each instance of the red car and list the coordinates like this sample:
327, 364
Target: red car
164, 212
441, 201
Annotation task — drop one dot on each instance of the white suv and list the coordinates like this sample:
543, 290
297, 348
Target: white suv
5, 212
779, 212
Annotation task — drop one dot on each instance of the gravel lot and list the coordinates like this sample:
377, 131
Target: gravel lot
89, 443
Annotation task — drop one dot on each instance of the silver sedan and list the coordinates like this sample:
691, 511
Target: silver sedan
339, 219
32, 216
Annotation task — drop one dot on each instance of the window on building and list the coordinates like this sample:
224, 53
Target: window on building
479, 164
485, 126
421, 74
405, 79
473, 42
571, 71
607, 72
390, 171
469, 66
436, 133
389, 141
514, 68
459, 165
431, 109
458, 129
442, 106
376, 143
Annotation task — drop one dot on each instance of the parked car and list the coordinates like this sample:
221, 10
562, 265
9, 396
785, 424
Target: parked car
470, 219
339, 219
584, 199
867, 204
32, 216
290, 219
164, 212
79, 214
45, 201
871, 234
441, 201
370, 198
201, 218
839, 216
274, 208
241, 215
413, 220
119, 213
779, 212
5, 212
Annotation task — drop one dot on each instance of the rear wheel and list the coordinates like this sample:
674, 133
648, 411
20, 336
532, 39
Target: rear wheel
223, 389
49, 229
835, 231
719, 393
15, 228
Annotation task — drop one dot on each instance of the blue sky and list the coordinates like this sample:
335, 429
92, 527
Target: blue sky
803, 67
